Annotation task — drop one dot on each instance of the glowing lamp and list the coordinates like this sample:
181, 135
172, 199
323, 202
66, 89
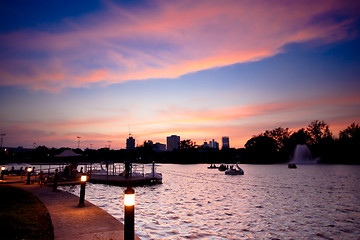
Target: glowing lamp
83, 178
129, 198
29, 169
129, 219
2, 172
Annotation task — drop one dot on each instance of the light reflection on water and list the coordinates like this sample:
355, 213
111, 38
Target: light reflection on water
268, 202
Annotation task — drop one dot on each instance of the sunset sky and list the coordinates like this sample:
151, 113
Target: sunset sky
197, 69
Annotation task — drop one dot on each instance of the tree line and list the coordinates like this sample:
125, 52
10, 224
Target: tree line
280, 143
272, 146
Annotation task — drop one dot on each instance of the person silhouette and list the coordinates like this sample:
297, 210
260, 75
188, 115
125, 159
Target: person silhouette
56, 179
127, 168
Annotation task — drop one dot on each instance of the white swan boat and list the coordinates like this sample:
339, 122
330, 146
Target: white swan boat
233, 171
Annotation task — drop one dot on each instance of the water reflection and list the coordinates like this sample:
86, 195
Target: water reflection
269, 201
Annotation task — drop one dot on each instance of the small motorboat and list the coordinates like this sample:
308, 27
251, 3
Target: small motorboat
292, 165
212, 166
223, 167
153, 175
233, 171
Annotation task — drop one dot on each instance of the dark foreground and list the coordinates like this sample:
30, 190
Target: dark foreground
69, 222
23, 216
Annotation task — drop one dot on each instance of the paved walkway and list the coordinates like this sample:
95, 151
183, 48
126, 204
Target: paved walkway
71, 222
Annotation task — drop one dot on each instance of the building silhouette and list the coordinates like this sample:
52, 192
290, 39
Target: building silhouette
159, 147
172, 142
130, 143
214, 144
225, 142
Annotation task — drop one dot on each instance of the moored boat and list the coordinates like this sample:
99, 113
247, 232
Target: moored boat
133, 178
233, 171
213, 167
292, 165
223, 167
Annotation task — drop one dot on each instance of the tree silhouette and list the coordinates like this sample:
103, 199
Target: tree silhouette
319, 132
349, 142
300, 137
351, 134
262, 149
280, 135
187, 145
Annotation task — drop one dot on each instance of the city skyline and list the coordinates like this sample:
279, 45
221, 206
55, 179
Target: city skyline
100, 70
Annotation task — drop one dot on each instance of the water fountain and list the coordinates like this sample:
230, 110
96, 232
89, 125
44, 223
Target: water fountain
302, 155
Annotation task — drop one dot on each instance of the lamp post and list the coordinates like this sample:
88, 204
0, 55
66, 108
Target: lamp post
78, 141
2, 136
29, 169
83, 180
129, 203
2, 172
56, 179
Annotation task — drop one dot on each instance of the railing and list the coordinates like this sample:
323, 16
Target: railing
89, 168
111, 169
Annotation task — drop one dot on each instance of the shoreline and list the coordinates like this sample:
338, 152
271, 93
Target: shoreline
71, 222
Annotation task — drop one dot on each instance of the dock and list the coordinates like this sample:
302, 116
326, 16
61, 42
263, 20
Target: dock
122, 180
116, 175
104, 173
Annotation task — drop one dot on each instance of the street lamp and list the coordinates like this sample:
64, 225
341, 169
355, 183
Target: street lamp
2, 136
29, 169
83, 180
78, 141
2, 172
129, 203
56, 179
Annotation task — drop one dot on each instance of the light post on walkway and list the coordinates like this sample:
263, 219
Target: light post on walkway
2, 172
129, 203
2, 136
78, 141
56, 179
83, 180
29, 169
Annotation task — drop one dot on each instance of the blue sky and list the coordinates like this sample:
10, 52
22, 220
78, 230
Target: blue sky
202, 71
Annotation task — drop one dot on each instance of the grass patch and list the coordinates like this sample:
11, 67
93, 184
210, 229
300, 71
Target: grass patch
23, 216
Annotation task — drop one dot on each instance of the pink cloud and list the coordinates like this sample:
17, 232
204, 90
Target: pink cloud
240, 123
172, 39
51, 135
243, 122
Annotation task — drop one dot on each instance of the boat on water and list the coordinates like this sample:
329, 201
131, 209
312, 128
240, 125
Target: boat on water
213, 167
153, 175
133, 180
223, 167
292, 165
135, 177
233, 171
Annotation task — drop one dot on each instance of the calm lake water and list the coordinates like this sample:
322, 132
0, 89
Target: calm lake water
268, 202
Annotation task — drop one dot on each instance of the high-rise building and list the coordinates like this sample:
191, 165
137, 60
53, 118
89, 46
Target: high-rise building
214, 144
225, 142
159, 147
205, 145
130, 143
172, 142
